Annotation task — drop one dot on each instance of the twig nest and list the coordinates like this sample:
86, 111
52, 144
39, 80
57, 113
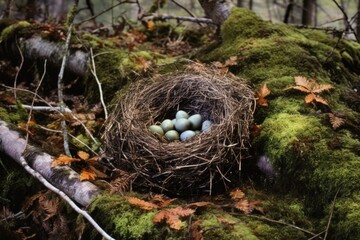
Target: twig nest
205, 162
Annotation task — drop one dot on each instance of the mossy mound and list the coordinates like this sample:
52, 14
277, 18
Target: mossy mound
312, 159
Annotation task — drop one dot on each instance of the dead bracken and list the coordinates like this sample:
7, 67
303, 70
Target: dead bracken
198, 165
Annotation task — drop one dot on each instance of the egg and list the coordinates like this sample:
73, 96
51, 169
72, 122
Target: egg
187, 135
182, 124
172, 135
156, 130
174, 121
195, 121
181, 114
167, 125
206, 125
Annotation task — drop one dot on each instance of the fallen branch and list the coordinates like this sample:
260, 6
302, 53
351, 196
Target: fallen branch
189, 19
64, 181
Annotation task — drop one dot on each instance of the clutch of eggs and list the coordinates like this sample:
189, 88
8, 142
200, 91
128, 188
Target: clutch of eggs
182, 127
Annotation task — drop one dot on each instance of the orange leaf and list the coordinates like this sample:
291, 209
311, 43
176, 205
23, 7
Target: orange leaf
83, 155
261, 93
254, 205
161, 201
150, 25
300, 88
172, 219
87, 174
302, 81
243, 206
319, 88
321, 100
63, 160
142, 204
237, 194
182, 212
309, 98
200, 204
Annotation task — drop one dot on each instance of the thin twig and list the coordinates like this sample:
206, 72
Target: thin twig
60, 80
346, 18
331, 214
102, 12
283, 223
20, 67
184, 8
93, 71
65, 197
33, 101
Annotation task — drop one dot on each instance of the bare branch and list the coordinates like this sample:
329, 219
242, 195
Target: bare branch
189, 19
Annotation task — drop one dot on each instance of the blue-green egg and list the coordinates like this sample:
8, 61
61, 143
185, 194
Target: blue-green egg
156, 130
182, 124
187, 135
181, 114
167, 125
206, 125
172, 135
195, 121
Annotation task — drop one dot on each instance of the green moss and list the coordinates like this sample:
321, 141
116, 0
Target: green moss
212, 230
10, 30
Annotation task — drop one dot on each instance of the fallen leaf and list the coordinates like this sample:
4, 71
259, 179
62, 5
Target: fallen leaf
63, 160
195, 231
83, 155
142, 204
243, 206
261, 93
231, 61
335, 121
87, 175
237, 194
226, 221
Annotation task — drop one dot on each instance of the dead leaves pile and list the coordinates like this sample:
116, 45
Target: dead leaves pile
173, 215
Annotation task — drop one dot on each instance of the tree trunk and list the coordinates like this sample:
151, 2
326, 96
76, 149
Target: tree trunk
288, 11
308, 12
62, 177
358, 19
217, 10
240, 3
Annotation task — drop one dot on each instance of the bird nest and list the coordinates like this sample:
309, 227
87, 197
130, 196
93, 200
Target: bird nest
205, 163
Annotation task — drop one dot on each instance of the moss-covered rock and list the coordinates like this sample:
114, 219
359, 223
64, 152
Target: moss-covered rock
312, 160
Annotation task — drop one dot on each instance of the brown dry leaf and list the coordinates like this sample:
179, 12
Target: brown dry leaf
87, 174
180, 211
303, 82
310, 98
226, 221
335, 121
237, 194
243, 206
83, 155
322, 87
261, 93
160, 200
172, 220
142, 204
321, 100
51, 207
255, 130
254, 205
142, 64
231, 61
199, 204
63, 160
195, 231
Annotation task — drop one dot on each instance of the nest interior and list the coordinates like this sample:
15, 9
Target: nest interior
204, 164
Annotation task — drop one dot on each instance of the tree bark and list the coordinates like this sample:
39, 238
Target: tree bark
240, 3
288, 11
308, 12
62, 177
217, 10
358, 19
